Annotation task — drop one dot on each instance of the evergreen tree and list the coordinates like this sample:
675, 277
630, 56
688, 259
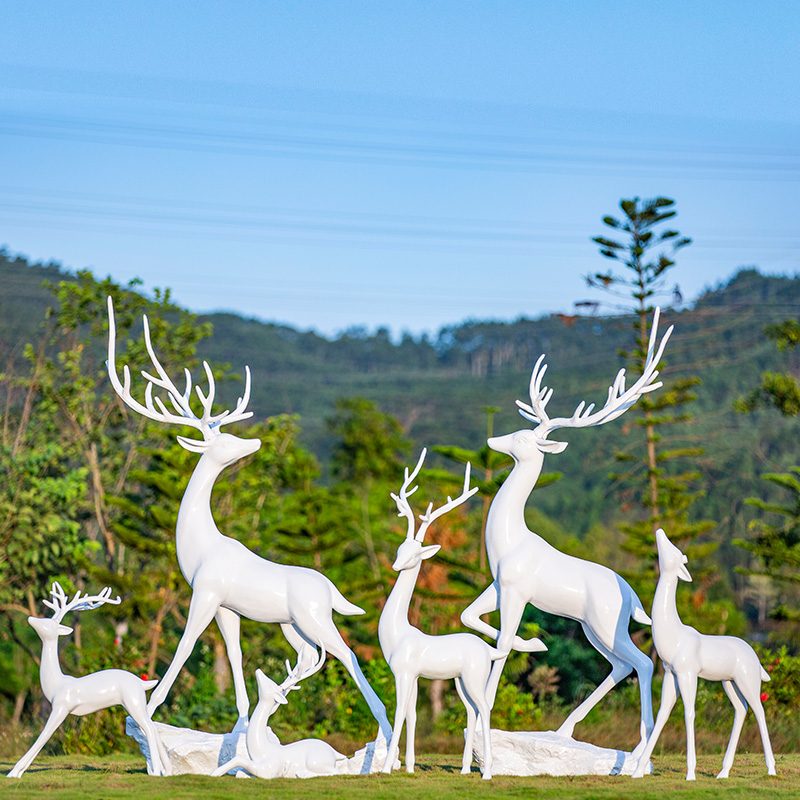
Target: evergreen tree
646, 252
776, 546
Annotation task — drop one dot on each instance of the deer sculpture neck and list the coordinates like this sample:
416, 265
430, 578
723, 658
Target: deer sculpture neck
394, 617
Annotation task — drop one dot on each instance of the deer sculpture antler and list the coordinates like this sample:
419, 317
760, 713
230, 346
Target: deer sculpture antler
154, 408
619, 398
61, 605
296, 674
404, 507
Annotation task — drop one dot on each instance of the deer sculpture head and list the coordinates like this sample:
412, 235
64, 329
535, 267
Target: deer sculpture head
532, 444
50, 628
221, 448
412, 551
670, 558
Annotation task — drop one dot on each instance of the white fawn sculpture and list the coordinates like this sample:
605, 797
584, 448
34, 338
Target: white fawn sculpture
267, 758
228, 580
412, 654
688, 655
80, 696
526, 569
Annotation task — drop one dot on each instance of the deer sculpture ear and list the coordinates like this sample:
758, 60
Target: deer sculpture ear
64, 630
683, 573
546, 446
193, 445
430, 550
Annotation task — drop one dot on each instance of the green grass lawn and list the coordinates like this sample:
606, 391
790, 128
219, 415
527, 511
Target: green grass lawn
437, 778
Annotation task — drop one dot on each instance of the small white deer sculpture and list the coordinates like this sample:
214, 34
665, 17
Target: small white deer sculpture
268, 758
80, 696
229, 581
412, 654
526, 569
688, 655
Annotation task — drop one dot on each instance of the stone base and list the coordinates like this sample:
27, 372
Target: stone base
548, 753
200, 753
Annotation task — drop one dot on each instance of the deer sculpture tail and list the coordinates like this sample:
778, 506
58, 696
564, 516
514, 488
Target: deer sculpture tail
637, 609
341, 604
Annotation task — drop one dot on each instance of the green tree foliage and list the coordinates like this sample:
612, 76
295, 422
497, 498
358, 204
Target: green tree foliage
775, 546
645, 251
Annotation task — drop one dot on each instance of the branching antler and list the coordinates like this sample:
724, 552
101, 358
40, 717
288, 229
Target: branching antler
619, 398
430, 515
295, 675
61, 605
403, 506
154, 408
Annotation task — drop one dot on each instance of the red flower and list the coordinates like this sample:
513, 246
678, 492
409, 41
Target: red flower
144, 677
764, 697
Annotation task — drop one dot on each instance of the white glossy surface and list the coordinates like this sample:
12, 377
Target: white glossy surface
81, 696
528, 753
228, 580
268, 758
688, 655
526, 569
412, 654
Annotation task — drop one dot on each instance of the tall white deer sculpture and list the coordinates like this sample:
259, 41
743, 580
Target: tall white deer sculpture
688, 655
412, 654
90, 693
267, 757
228, 580
526, 569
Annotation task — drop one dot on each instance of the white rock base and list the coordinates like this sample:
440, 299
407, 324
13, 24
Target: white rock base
200, 753
548, 753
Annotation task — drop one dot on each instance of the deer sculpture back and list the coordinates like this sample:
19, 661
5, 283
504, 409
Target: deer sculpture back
526, 569
229, 581
267, 757
688, 655
90, 693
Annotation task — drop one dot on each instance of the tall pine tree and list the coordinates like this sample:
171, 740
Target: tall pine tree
645, 250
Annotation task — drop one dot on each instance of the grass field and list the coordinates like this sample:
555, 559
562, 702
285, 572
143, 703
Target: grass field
437, 778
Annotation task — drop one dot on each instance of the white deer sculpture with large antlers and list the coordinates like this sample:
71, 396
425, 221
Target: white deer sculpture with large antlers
229, 581
688, 655
267, 757
526, 569
90, 693
412, 654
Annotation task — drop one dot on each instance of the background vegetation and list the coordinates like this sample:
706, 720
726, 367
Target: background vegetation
91, 493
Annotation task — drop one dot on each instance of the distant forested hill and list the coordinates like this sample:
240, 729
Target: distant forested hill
438, 387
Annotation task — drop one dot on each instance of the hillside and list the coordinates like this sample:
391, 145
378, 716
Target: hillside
437, 388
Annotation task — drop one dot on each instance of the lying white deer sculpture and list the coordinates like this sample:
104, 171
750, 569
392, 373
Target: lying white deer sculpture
688, 655
227, 579
267, 757
412, 654
526, 569
80, 696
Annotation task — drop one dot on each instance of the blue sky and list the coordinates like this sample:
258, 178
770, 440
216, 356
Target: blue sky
405, 164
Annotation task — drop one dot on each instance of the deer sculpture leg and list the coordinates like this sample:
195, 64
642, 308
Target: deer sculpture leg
202, 609
403, 686
752, 695
472, 714
411, 726
687, 685
512, 606
321, 631
159, 758
669, 695
475, 690
230, 624
623, 659
57, 715
739, 713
